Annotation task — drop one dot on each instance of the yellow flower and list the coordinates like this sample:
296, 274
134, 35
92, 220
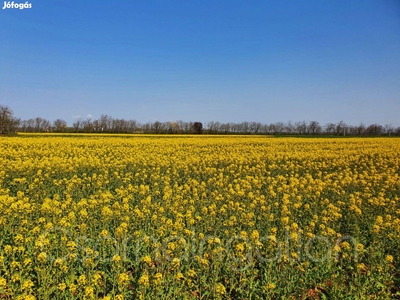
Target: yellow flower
158, 278
3, 282
285, 220
116, 258
82, 279
191, 273
15, 278
62, 286
15, 265
337, 248
27, 262
144, 280
89, 292
146, 259
7, 249
42, 257
204, 262
176, 262
389, 258
71, 245
97, 278
255, 235
271, 286
379, 220
27, 284
123, 279
19, 239
345, 245
179, 276
72, 288
58, 262
361, 267
220, 289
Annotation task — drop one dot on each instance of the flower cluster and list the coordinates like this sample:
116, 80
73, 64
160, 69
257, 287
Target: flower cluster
123, 217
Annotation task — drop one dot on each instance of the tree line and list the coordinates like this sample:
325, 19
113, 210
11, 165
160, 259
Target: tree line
108, 124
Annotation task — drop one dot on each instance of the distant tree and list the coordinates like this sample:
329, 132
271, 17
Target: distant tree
255, 127
77, 125
374, 129
96, 126
225, 128
188, 127
314, 127
244, 127
133, 125
360, 129
173, 127
289, 127
330, 128
181, 126
279, 127
234, 127
156, 128
147, 127
59, 125
198, 127
213, 127
87, 125
341, 128
27, 125
301, 127
8, 123
105, 123
46, 125
389, 129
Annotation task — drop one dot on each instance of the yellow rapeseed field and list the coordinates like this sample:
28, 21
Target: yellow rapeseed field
199, 217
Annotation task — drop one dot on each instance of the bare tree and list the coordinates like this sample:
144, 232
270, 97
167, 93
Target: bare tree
289, 127
213, 127
105, 123
341, 128
8, 123
147, 127
156, 127
41, 125
374, 129
96, 126
77, 125
388, 128
360, 129
59, 125
87, 125
301, 127
225, 128
330, 128
198, 127
314, 127
132, 126
28, 125
173, 127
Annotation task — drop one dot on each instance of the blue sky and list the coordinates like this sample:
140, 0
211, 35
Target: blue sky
203, 60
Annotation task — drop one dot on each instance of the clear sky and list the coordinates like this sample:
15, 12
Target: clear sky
203, 60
